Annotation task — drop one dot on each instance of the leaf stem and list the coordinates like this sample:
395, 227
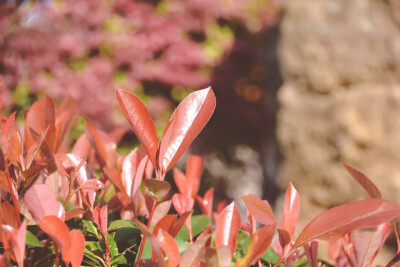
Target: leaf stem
144, 237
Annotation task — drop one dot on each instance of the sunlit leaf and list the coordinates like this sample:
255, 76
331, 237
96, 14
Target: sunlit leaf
140, 119
41, 201
57, 230
185, 124
190, 256
291, 210
216, 257
74, 254
170, 248
228, 226
260, 209
334, 223
364, 181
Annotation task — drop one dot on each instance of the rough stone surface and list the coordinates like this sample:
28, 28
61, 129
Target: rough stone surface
340, 101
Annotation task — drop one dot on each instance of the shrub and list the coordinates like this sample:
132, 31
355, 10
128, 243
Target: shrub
95, 207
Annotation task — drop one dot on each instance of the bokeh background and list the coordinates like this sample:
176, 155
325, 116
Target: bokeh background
301, 85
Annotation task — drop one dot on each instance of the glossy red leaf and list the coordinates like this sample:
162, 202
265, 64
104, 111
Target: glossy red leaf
74, 254
291, 210
140, 119
228, 226
82, 147
100, 217
15, 148
129, 169
166, 223
260, 209
180, 222
259, 244
16, 238
191, 254
336, 222
57, 230
216, 257
40, 116
73, 213
185, 124
206, 203
41, 201
65, 115
194, 169
182, 204
137, 180
160, 211
170, 248
364, 181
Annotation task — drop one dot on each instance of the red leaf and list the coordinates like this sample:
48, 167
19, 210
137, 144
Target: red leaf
166, 223
16, 239
57, 230
366, 244
140, 119
72, 213
291, 210
104, 145
259, 244
336, 222
194, 169
40, 116
206, 203
311, 250
216, 257
100, 217
8, 215
154, 243
182, 204
92, 185
74, 254
168, 244
364, 181
41, 201
185, 124
129, 168
260, 209
190, 255
181, 182
228, 226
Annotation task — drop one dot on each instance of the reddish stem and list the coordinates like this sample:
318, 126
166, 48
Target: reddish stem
57, 255
14, 199
144, 237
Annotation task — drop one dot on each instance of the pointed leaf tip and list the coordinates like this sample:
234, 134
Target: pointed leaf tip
140, 119
187, 121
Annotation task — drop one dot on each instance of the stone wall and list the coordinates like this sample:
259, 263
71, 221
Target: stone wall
340, 101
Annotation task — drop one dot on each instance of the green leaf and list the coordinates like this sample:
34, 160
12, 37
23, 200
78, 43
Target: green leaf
199, 224
118, 224
31, 240
113, 245
243, 241
92, 259
91, 228
270, 256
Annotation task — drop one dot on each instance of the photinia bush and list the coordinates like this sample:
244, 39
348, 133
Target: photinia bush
96, 207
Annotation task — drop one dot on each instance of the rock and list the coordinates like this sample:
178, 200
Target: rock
340, 101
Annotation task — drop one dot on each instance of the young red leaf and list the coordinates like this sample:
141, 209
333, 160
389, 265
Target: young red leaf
216, 257
40, 116
185, 124
190, 255
72, 213
170, 248
336, 222
311, 250
259, 244
57, 230
129, 168
16, 238
364, 181
100, 217
41, 201
8, 215
181, 182
206, 203
194, 168
154, 243
366, 244
228, 226
74, 254
182, 204
291, 210
157, 189
166, 223
160, 211
137, 180
104, 145
260, 209
92, 185
140, 119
